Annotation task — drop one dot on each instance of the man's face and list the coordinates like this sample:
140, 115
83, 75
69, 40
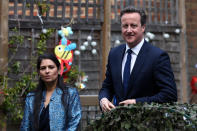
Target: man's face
132, 30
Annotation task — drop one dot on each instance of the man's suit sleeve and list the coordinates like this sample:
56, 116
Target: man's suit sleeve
107, 87
164, 79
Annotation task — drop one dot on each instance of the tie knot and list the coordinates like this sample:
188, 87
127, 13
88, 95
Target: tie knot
129, 51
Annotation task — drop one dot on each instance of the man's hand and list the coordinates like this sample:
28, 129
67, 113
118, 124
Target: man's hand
106, 105
127, 102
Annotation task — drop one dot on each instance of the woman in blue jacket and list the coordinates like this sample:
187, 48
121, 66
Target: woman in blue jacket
53, 106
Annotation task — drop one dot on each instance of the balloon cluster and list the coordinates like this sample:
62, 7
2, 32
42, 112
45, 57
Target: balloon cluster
64, 51
87, 43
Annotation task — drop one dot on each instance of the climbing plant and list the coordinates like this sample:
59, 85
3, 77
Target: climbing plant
42, 5
42, 43
13, 97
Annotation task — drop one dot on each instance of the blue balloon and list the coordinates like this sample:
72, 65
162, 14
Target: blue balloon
63, 41
70, 30
71, 46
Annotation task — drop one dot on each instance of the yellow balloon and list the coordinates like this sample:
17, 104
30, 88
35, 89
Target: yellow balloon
65, 32
59, 51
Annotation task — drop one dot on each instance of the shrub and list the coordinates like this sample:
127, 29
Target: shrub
148, 117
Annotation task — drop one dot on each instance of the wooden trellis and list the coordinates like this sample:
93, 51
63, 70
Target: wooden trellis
63, 11
159, 11
91, 11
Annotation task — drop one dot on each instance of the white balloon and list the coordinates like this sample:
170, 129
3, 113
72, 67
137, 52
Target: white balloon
76, 52
166, 35
82, 47
196, 66
177, 31
147, 39
117, 42
94, 51
150, 35
85, 43
44, 31
166, 22
89, 38
93, 43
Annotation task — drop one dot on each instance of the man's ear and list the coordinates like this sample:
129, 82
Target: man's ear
144, 28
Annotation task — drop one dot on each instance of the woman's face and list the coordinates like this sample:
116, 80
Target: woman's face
48, 71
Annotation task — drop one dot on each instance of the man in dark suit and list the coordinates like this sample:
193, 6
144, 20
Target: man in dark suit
136, 71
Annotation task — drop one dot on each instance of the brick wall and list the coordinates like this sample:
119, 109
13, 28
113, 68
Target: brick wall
52, 10
191, 31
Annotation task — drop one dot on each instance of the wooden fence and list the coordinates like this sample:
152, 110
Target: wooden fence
90, 110
88, 19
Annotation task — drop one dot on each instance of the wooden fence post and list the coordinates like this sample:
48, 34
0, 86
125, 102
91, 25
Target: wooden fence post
183, 54
3, 36
106, 29
3, 50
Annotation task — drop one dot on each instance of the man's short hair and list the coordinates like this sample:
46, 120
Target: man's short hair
131, 9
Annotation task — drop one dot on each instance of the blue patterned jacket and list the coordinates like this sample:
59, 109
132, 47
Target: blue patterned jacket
58, 119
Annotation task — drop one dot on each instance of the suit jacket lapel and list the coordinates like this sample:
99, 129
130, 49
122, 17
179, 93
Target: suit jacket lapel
137, 67
119, 68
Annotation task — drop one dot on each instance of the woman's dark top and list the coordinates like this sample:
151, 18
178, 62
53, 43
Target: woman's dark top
44, 119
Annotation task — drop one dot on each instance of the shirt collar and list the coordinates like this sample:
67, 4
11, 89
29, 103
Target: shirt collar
137, 48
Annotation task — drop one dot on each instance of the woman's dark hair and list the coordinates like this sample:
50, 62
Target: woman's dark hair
47, 56
131, 9
38, 93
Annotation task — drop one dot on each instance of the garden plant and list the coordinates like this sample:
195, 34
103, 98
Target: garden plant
148, 117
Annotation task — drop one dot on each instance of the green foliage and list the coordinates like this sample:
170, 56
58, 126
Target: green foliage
15, 40
148, 117
42, 6
12, 105
13, 96
42, 43
3, 81
72, 76
16, 67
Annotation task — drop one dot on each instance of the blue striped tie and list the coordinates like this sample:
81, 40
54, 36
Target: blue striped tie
126, 74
